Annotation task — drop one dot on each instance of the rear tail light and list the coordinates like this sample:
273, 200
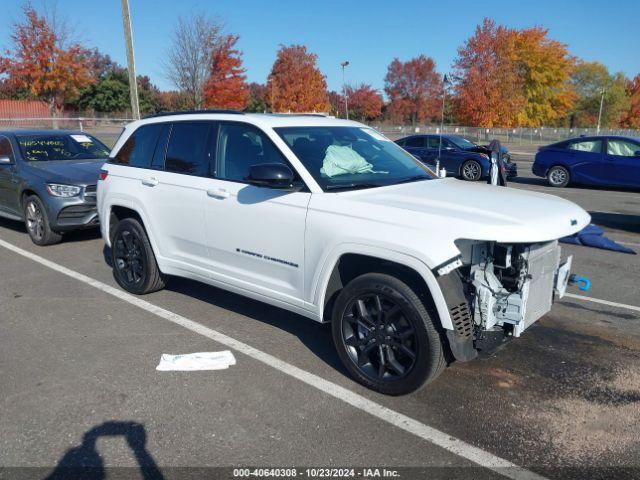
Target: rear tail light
103, 174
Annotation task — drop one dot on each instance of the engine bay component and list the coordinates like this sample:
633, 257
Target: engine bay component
511, 286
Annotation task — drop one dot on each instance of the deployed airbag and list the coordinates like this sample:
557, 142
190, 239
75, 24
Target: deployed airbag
593, 236
340, 160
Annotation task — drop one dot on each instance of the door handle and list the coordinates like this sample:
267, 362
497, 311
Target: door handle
218, 193
150, 182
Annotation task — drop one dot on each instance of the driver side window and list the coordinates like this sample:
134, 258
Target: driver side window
240, 146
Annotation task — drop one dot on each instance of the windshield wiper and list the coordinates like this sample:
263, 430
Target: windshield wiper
351, 186
415, 178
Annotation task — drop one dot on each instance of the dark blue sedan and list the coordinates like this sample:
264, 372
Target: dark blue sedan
599, 161
458, 156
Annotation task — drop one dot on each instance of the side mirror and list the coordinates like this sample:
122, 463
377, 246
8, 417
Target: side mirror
5, 160
637, 153
271, 175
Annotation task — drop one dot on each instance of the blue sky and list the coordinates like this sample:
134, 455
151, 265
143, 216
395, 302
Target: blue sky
368, 34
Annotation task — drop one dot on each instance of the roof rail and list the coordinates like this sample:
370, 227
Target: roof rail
185, 112
301, 114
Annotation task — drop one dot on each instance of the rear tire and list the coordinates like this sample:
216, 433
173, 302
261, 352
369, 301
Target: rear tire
37, 223
471, 171
558, 176
134, 264
385, 336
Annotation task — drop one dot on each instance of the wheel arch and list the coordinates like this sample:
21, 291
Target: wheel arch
350, 263
117, 212
27, 192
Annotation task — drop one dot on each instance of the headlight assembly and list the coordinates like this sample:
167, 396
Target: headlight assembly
58, 190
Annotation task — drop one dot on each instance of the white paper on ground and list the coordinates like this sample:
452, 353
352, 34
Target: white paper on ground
196, 361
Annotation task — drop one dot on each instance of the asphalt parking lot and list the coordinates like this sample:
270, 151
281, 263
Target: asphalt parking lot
78, 385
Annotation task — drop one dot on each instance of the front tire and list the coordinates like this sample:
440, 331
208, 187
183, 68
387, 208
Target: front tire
558, 176
385, 336
471, 171
134, 264
37, 223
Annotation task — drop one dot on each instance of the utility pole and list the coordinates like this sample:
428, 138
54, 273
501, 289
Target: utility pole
131, 62
445, 80
344, 89
600, 112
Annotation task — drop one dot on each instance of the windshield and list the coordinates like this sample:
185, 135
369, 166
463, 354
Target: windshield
352, 157
41, 148
462, 143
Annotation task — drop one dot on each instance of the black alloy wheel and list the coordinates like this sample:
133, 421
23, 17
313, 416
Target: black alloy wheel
379, 339
134, 263
385, 336
129, 260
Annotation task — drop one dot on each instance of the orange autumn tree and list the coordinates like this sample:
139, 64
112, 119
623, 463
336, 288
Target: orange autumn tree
544, 68
509, 77
227, 86
631, 117
295, 83
40, 65
414, 89
488, 89
365, 103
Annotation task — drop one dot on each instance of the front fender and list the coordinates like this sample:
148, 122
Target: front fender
324, 273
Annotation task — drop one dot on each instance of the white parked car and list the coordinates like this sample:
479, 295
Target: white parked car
331, 220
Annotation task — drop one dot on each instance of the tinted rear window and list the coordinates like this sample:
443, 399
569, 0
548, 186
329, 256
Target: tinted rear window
138, 150
187, 150
414, 142
5, 148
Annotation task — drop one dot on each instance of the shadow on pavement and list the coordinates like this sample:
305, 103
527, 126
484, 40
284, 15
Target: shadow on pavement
541, 182
84, 461
315, 336
73, 236
617, 221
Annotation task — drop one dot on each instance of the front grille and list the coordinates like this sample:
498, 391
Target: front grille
461, 318
75, 212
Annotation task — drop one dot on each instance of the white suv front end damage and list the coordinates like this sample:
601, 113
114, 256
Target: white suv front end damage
507, 287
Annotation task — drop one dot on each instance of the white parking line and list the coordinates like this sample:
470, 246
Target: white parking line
629, 244
408, 424
603, 302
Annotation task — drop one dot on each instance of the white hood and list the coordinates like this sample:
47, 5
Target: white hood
470, 210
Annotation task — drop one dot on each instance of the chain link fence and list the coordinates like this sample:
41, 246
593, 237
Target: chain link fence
510, 136
107, 129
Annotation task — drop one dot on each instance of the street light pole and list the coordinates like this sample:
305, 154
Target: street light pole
445, 80
344, 89
600, 112
131, 63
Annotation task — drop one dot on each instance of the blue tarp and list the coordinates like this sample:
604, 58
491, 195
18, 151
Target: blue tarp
593, 236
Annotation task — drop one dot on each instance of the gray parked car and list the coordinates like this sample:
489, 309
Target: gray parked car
48, 180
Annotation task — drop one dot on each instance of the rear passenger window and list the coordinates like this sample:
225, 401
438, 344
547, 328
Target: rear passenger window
416, 142
593, 146
138, 150
161, 147
187, 151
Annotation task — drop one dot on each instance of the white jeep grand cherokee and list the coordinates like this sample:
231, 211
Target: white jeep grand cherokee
331, 220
